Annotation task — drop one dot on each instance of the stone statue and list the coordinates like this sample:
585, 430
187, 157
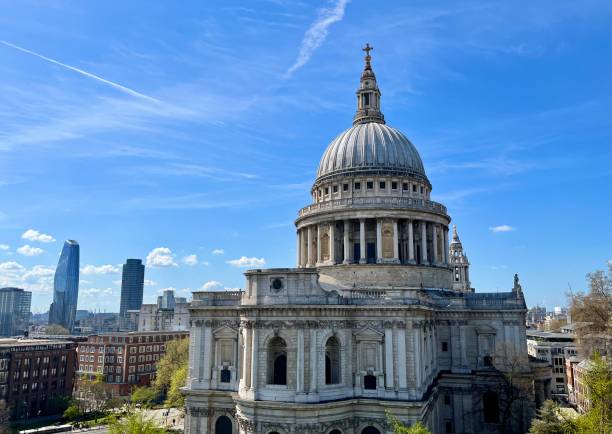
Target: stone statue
517, 286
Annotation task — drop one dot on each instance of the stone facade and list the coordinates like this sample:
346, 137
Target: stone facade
372, 319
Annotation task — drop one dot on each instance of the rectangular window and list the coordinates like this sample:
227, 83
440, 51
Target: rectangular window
335, 189
370, 185
344, 187
382, 185
358, 186
421, 189
414, 188
445, 346
405, 186
447, 400
394, 185
449, 427
326, 191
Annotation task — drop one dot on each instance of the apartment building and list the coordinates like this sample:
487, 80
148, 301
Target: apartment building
124, 359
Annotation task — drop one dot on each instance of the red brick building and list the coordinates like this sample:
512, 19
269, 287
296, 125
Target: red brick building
33, 372
124, 359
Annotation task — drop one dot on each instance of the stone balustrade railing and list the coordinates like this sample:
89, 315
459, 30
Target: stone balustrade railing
216, 298
373, 202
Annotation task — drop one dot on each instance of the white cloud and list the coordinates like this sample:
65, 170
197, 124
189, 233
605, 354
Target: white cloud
218, 252
161, 257
11, 266
211, 285
28, 250
149, 282
502, 228
39, 271
102, 269
243, 261
317, 32
190, 260
93, 292
4, 247
205, 263
34, 235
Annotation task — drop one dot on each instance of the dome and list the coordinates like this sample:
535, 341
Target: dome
371, 147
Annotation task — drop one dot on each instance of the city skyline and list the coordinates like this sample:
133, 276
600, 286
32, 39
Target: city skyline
160, 145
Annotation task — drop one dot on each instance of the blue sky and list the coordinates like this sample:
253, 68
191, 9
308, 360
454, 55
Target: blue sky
162, 131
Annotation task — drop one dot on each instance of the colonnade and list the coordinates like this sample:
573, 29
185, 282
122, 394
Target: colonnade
375, 240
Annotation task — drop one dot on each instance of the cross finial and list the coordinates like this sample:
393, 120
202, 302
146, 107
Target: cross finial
367, 49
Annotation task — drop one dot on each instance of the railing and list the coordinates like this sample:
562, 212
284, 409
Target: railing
368, 293
373, 202
216, 298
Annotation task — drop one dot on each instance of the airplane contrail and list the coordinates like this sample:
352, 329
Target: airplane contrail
85, 73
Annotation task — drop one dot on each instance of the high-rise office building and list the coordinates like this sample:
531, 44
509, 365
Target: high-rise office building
15, 306
132, 286
66, 287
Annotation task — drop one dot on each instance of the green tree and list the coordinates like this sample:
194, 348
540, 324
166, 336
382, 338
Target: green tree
551, 421
144, 395
177, 354
73, 412
135, 423
401, 428
175, 398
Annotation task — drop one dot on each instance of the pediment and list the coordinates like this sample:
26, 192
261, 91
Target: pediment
368, 334
225, 332
484, 329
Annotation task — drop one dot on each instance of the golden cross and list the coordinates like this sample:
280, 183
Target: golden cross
367, 49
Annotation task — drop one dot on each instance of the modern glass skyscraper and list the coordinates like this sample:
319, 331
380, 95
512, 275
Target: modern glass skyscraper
66, 287
132, 286
15, 306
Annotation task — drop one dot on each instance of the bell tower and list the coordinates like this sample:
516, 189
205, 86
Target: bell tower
368, 94
459, 264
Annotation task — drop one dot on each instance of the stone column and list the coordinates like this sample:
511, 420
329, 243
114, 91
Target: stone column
299, 248
379, 256
347, 242
314, 372
195, 353
424, 242
207, 354
410, 243
300, 361
434, 229
247, 356
446, 245
332, 242
318, 244
310, 262
401, 357
389, 357
362, 241
254, 361
395, 242
417, 339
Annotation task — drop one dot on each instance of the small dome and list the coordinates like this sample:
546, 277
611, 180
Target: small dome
371, 147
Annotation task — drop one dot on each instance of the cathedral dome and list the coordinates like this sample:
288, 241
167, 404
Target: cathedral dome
371, 147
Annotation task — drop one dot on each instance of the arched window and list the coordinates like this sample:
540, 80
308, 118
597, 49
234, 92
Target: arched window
490, 405
370, 430
335, 431
277, 361
332, 361
223, 425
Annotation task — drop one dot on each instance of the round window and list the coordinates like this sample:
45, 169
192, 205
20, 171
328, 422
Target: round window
277, 284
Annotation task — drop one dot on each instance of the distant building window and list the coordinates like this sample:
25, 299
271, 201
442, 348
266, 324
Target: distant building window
394, 185
370, 185
358, 186
414, 188
344, 187
445, 346
405, 186
488, 361
326, 191
382, 185
447, 400
335, 189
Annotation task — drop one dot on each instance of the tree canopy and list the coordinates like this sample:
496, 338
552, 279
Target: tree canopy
172, 371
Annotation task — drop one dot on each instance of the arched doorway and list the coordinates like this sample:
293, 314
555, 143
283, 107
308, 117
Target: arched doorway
223, 425
490, 404
335, 431
332, 361
370, 430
